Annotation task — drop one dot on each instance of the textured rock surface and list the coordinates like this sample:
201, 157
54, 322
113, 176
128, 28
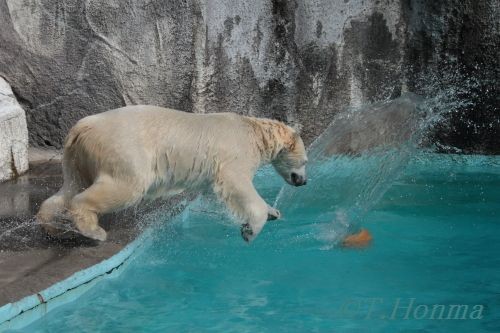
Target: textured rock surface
13, 135
454, 45
296, 60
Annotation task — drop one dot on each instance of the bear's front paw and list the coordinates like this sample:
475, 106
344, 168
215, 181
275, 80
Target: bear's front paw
246, 232
273, 214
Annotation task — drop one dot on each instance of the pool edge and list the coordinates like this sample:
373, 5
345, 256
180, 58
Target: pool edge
21, 313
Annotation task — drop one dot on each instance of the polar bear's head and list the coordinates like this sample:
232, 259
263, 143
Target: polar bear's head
291, 160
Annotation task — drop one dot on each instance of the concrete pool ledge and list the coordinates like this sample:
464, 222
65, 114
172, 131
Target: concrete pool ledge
38, 274
25, 311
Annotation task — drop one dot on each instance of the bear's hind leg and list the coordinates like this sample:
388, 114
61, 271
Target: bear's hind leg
53, 215
48, 211
104, 196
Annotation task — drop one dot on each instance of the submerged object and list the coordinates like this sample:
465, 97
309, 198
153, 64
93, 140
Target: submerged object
359, 240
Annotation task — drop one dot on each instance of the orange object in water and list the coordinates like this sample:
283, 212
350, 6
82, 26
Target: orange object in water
359, 240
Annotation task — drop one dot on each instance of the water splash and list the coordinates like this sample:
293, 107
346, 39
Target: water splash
357, 158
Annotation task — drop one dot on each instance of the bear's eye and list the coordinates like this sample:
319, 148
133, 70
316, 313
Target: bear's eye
283, 151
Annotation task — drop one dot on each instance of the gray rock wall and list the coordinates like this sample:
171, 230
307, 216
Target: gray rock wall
453, 46
69, 59
297, 60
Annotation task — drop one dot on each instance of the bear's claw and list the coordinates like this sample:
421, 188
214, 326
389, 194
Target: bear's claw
273, 214
246, 232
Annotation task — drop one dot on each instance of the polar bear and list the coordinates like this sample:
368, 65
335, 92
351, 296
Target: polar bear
118, 158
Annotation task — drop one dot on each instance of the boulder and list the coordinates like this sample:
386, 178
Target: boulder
13, 135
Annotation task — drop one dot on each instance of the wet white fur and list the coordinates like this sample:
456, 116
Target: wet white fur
117, 158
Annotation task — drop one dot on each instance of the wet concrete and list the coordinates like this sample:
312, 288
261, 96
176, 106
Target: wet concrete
29, 260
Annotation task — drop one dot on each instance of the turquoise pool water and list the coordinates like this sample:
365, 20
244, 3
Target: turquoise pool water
436, 243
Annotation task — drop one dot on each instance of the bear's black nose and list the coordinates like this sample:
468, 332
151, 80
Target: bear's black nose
298, 180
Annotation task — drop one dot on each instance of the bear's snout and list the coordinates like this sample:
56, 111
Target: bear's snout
297, 179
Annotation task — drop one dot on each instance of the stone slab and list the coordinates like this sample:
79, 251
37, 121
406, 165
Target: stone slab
13, 135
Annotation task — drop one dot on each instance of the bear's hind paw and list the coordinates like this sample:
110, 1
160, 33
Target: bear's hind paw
96, 234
